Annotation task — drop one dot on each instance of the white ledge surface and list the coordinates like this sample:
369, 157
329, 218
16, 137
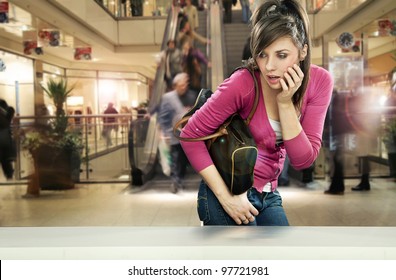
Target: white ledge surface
198, 243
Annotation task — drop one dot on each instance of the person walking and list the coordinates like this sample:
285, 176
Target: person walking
172, 57
170, 110
109, 123
246, 13
192, 14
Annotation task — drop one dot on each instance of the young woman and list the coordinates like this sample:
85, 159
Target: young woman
294, 96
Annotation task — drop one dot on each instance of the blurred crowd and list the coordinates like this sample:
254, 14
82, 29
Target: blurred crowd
181, 54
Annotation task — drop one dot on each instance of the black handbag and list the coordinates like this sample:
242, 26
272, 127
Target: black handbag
232, 147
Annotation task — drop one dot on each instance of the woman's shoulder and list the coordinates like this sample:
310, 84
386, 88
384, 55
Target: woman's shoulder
320, 83
243, 85
317, 72
243, 76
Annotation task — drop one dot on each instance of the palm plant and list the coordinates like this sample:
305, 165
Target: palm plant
56, 134
61, 170
58, 91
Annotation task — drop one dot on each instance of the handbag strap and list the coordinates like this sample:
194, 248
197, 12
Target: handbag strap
222, 130
256, 98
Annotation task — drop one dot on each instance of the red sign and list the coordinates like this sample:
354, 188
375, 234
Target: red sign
4, 12
83, 53
384, 27
51, 37
29, 46
3, 7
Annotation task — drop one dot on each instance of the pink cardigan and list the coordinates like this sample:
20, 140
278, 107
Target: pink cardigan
236, 94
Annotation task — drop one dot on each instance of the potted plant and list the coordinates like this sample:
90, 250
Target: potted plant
55, 149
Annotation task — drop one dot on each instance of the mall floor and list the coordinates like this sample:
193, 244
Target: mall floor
117, 204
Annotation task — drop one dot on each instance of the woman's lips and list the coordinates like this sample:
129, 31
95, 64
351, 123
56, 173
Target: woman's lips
273, 79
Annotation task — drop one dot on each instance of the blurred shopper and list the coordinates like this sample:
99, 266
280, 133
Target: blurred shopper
340, 129
125, 119
7, 145
186, 32
170, 111
192, 14
390, 117
136, 7
172, 57
227, 5
89, 119
365, 120
109, 124
351, 119
192, 63
246, 13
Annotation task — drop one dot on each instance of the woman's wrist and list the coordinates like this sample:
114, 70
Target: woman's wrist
282, 105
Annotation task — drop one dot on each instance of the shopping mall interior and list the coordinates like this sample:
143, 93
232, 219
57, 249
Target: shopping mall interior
110, 52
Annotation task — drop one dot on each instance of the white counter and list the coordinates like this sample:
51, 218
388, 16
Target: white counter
199, 243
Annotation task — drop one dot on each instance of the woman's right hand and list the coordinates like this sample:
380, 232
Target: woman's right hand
239, 208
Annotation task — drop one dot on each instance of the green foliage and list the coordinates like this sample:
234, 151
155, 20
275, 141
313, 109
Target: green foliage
69, 140
58, 91
55, 133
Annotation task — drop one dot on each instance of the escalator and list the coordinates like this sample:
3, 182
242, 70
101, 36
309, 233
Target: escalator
143, 155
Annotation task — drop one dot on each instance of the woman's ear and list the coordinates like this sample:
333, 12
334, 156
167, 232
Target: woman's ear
303, 52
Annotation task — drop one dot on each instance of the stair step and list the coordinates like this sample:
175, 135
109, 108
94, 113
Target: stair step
235, 35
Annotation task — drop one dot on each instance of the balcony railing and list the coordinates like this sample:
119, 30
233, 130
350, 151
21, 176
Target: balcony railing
105, 153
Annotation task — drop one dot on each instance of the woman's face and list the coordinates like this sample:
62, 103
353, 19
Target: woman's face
274, 60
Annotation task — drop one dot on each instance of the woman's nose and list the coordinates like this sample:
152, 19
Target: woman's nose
269, 65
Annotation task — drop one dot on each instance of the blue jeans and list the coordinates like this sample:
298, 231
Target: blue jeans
246, 14
269, 205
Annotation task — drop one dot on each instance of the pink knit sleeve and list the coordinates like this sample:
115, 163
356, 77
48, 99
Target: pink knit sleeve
230, 97
304, 148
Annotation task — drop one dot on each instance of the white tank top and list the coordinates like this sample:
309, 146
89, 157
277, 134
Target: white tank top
276, 126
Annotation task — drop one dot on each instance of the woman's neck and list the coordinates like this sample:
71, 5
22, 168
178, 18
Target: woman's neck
269, 95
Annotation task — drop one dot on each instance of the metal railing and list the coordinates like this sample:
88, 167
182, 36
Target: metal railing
105, 152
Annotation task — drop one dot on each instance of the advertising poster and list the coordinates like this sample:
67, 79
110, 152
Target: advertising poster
83, 53
30, 43
48, 37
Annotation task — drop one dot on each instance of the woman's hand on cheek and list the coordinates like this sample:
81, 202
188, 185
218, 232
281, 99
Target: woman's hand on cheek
290, 83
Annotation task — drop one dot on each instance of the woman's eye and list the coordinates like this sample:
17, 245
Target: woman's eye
261, 55
282, 55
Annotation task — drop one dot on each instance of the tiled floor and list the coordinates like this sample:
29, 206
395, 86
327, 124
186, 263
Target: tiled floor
119, 205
